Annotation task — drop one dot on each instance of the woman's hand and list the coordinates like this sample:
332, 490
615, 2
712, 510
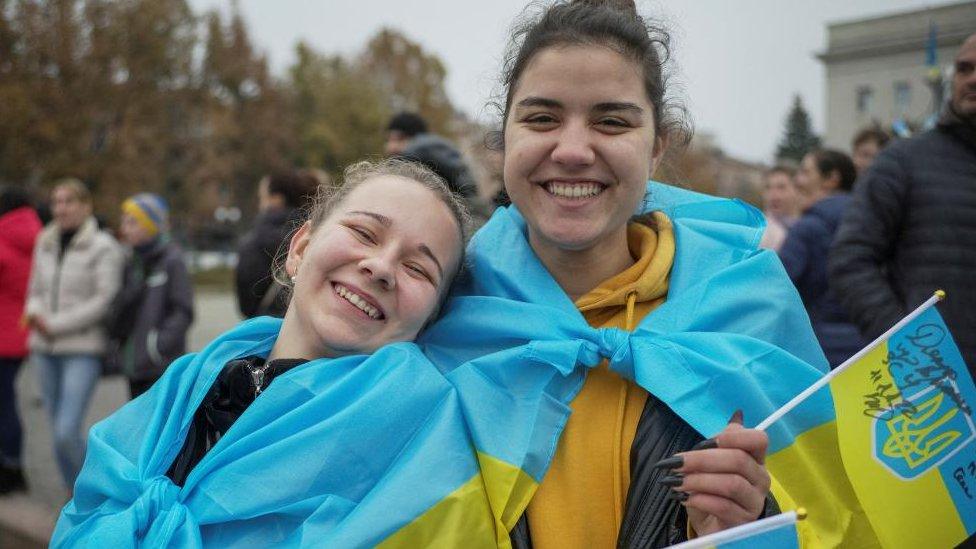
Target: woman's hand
37, 323
723, 481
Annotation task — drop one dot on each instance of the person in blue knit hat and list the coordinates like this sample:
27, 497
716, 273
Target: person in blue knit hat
150, 317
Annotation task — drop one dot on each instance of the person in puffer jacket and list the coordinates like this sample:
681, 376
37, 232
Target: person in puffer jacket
150, 317
824, 182
19, 227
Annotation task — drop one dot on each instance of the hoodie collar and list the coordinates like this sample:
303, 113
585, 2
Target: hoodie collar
645, 280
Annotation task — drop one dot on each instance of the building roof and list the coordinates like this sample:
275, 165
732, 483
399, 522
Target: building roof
900, 32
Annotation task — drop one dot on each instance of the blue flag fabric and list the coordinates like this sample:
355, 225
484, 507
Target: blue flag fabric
338, 453
732, 333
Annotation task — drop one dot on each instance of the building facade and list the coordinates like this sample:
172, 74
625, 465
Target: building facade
876, 68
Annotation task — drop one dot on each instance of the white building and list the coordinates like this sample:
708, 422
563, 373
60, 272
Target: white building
876, 67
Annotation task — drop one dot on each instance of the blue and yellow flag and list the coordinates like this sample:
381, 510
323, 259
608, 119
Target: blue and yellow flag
907, 436
776, 532
732, 334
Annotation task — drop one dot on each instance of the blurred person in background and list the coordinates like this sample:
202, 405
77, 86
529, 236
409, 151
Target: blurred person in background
281, 198
779, 206
75, 275
824, 182
150, 317
866, 145
407, 137
19, 227
911, 228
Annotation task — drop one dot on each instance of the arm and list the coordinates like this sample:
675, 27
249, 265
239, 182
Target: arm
107, 276
253, 273
795, 252
865, 242
35, 287
179, 308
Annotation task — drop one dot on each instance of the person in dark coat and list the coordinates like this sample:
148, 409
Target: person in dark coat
19, 227
281, 198
152, 313
824, 182
911, 227
407, 137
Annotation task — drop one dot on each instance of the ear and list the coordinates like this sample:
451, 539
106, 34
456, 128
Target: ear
661, 143
297, 248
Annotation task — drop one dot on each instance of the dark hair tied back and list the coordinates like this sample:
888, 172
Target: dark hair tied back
610, 23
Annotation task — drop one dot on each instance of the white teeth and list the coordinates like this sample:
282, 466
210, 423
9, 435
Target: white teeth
358, 301
574, 190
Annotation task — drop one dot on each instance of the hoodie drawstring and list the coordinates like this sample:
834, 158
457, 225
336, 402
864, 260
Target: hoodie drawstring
631, 304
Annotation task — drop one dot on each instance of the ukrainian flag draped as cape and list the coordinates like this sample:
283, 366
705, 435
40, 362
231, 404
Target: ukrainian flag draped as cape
732, 334
334, 453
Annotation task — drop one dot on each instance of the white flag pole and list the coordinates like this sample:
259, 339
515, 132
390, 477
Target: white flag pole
798, 399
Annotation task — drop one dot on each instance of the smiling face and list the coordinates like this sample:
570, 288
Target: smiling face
373, 272
579, 148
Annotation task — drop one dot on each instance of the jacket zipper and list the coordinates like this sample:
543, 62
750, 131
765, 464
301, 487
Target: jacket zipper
257, 376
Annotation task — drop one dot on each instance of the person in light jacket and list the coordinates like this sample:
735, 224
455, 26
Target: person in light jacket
75, 276
149, 319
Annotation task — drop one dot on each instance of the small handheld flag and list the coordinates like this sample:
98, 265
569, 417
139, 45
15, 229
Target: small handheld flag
905, 428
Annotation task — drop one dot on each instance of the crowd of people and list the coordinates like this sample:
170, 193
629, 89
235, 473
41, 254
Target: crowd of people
356, 269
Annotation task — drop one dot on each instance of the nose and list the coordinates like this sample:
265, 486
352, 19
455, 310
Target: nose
574, 147
380, 269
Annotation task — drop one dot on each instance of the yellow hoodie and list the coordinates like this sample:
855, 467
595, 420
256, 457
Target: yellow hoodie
580, 502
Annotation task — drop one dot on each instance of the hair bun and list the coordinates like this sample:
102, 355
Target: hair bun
625, 6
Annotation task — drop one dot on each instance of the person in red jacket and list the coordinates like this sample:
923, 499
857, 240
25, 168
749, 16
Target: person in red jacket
19, 226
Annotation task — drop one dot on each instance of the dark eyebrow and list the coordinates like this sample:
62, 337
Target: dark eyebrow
383, 220
533, 101
426, 251
615, 106
609, 106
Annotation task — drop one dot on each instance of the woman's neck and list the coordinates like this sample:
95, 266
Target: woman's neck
579, 271
292, 342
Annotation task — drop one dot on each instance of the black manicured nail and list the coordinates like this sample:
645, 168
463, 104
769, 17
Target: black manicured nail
736, 417
673, 462
672, 480
706, 444
678, 495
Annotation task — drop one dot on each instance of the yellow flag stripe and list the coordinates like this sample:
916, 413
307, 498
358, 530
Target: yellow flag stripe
497, 496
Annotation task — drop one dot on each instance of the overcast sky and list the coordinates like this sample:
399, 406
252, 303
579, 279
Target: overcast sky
739, 62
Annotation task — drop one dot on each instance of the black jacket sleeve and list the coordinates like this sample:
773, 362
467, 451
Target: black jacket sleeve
865, 243
253, 274
179, 308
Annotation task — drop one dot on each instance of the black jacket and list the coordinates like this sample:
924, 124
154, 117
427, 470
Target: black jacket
255, 260
651, 518
804, 254
910, 230
150, 316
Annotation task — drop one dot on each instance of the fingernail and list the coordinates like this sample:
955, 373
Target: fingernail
736, 417
672, 480
678, 495
706, 444
673, 462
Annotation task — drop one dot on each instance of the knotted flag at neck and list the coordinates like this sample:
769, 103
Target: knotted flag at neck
731, 334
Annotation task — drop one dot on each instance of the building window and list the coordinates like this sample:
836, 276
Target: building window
865, 100
903, 97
